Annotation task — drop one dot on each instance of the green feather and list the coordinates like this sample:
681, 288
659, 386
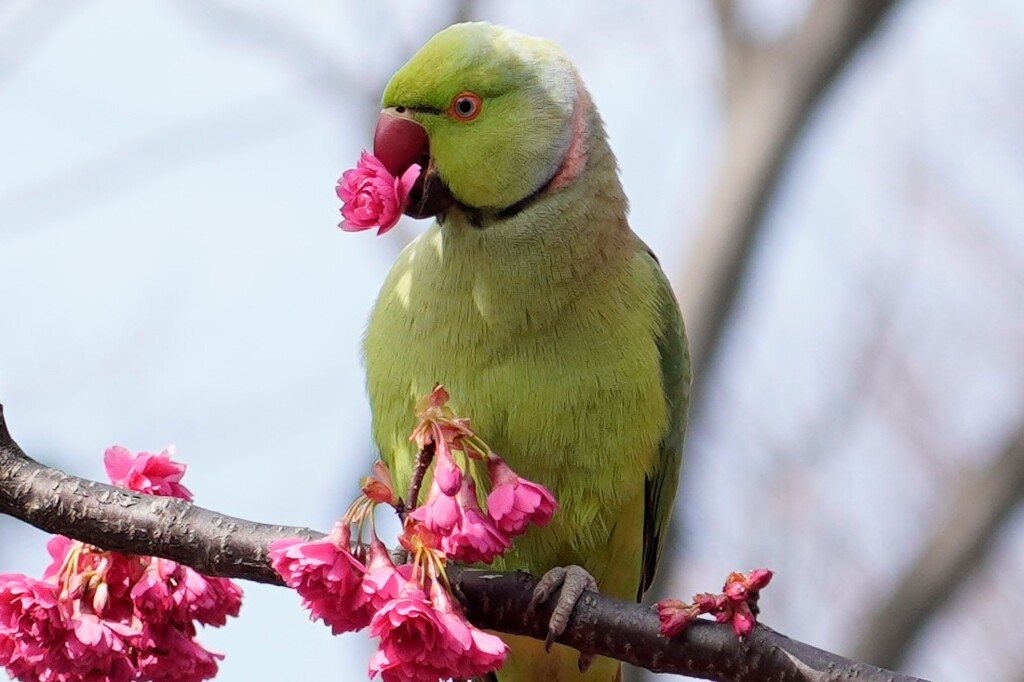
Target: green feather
660, 489
551, 326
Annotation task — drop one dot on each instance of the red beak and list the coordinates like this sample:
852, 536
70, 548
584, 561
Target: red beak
400, 142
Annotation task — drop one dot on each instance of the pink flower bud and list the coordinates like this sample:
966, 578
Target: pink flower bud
736, 588
758, 579
428, 405
710, 603
743, 620
675, 615
740, 588
378, 486
100, 598
447, 473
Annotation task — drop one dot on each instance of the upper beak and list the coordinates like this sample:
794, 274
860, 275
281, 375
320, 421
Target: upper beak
399, 141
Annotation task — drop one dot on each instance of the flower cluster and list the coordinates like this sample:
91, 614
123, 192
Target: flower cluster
737, 605
423, 633
372, 196
426, 637
100, 615
327, 576
451, 513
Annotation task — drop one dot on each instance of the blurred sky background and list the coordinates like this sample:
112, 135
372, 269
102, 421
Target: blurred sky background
171, 273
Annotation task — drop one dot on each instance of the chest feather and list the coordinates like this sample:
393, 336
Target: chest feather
559, 372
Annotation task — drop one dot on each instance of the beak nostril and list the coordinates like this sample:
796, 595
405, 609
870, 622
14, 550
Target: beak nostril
400, 110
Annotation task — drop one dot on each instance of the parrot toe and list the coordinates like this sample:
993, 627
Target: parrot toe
573, 581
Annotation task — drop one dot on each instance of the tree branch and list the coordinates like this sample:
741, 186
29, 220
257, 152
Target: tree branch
978, 507
771, 92
216, 544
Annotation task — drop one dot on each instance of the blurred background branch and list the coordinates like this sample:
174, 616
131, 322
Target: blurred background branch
26, 26
770, 92
979, 507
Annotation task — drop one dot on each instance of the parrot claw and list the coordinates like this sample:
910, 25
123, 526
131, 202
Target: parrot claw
573, 581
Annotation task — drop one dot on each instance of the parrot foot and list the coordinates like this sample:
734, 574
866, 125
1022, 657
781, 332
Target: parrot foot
573, 581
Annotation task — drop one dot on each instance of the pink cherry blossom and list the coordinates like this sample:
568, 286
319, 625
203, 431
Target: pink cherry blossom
475, 537
441, 513
30, 620
39, 640
383, 580
205, 599
96, 615
742, 592
166, 592
97, 644
327, 577
461, 529
409, 631
429, 640
57, 547
146, 473
515, 502
170, 654
476, 652
102, 615
372, 195
151, 595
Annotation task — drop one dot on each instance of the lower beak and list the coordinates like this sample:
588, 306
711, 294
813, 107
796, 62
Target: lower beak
399, 142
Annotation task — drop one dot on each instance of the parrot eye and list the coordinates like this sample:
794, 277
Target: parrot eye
465, 106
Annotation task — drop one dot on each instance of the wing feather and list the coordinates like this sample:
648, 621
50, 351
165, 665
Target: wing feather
660, 485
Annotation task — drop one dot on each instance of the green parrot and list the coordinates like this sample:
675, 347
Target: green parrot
531, 300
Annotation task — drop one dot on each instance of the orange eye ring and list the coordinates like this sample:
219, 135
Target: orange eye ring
465, 106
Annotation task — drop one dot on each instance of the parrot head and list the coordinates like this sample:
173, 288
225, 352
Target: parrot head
493, 116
